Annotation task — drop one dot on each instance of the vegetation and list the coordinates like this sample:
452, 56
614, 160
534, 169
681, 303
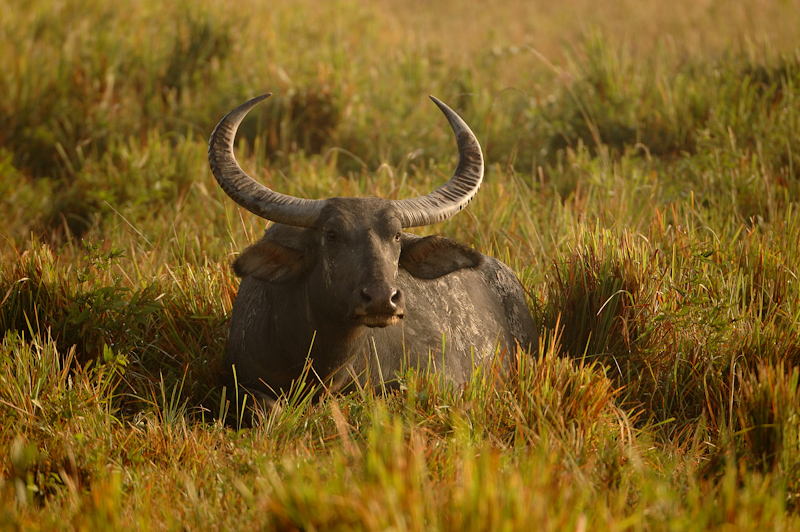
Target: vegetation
643, 179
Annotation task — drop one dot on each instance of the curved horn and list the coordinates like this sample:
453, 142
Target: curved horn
246, 191
454, 195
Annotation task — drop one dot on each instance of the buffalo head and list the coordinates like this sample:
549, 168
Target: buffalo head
347, 251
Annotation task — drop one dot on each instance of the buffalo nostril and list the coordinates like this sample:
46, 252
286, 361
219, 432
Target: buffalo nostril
365, 296
396, 297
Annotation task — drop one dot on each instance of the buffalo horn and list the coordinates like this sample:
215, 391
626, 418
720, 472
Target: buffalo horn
435, 207
245, 190
454, 195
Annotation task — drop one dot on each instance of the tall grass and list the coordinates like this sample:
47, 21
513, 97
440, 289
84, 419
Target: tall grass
642, 179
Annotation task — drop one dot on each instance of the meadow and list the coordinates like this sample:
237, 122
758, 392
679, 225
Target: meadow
643, 180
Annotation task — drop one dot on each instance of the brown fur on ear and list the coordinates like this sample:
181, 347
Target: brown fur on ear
269, 261
435, 256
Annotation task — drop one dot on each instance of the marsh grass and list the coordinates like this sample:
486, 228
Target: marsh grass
642, 180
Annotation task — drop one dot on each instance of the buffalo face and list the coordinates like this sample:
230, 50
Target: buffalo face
359, 250
348, 262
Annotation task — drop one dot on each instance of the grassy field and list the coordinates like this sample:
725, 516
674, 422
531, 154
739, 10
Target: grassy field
643, 179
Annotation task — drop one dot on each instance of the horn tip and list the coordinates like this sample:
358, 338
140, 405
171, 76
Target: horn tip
436, 100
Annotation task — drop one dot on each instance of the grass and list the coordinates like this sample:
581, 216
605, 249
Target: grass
643, 176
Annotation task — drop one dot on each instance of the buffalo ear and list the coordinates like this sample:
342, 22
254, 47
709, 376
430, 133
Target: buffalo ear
269, 261
435, 256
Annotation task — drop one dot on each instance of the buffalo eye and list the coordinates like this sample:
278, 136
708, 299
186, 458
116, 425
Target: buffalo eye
397, 237
331, 235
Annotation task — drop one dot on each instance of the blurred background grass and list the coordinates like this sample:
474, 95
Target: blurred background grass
108, 105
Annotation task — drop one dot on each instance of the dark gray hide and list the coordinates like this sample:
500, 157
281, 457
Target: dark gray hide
340, 273
461, 308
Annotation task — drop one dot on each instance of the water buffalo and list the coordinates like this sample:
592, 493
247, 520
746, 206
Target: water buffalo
338, 281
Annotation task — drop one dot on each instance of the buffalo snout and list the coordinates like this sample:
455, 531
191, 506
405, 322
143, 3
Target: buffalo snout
378, 305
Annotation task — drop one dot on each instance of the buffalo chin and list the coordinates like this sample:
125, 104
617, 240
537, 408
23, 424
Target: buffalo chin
378, 320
